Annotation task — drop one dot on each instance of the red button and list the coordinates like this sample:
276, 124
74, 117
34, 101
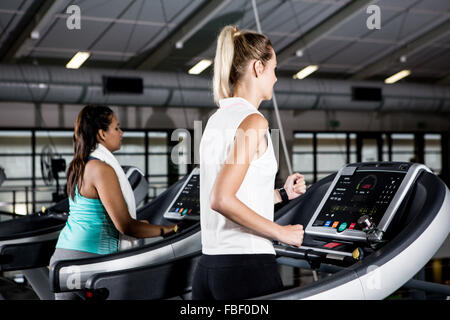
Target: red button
352, 226
332, 245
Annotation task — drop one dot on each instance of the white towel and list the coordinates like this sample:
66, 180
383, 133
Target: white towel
103, 154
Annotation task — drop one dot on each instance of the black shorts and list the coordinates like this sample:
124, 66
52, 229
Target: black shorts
235, 276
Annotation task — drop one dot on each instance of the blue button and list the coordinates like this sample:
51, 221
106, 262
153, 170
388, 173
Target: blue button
327, 224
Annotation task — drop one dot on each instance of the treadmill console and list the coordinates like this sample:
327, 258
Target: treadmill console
186, 204
375, 190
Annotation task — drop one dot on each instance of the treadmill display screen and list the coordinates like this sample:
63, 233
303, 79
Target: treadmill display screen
363, 193
187, 202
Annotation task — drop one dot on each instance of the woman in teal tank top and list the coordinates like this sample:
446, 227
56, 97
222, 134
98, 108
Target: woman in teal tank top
88, 228
97, 210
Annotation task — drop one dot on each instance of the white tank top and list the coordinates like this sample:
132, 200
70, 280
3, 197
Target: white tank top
219, 234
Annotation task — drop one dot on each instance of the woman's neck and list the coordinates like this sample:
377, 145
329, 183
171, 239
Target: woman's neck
247, 93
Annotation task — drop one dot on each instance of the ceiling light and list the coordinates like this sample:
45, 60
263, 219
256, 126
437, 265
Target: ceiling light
77, 60
399, 75
200, 66
305, 72
35, 35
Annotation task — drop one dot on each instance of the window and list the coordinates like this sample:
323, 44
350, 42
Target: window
52, 144
385, 151
331, 153
132, 152
353, 153
433, 152
403, 147
303, 156
157, 162
319, 154
16, 157
16, 160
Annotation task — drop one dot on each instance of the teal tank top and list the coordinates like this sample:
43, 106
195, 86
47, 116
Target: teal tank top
89, 227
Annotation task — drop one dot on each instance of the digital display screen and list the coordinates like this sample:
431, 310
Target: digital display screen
187, 203
363, 193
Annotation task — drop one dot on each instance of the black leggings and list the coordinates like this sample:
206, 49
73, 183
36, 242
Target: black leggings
235, 276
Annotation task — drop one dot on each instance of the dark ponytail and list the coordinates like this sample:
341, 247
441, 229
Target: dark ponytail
89, 121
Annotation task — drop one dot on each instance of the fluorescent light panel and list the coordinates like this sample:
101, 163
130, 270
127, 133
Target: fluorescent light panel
200, 66
302, 74
77, 60
399, 75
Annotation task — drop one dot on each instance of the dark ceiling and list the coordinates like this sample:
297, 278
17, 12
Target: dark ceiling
141, 34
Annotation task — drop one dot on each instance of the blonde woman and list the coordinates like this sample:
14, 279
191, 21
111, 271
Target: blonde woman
237, 177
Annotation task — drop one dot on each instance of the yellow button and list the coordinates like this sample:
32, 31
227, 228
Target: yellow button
355, 254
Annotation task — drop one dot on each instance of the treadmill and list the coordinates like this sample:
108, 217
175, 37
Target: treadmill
180, 205
27, 243
372, 226
160, 269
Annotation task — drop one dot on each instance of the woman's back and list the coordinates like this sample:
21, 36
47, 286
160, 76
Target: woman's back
89, 227
221, 235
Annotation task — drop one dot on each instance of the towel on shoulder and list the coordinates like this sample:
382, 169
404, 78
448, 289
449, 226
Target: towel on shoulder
103, 154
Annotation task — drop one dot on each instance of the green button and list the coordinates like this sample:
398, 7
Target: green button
342, 227
185, 211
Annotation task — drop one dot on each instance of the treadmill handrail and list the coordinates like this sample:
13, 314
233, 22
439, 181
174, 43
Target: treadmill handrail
26, 255
42, 237
23, 236
120, 260
150, 269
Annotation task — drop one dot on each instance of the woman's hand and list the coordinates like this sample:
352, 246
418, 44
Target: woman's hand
295, 185
292, 235
168, 229
164, 230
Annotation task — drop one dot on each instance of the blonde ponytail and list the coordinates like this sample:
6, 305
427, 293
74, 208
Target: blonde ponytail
234, 51
223, 63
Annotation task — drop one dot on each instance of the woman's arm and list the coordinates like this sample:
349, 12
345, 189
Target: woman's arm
294, 186
223, 195
276, 196
108, 187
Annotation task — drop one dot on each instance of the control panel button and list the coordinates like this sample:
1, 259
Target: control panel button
332, 245
342, 227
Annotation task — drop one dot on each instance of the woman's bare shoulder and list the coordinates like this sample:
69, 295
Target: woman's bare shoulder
254, 121
98, 169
